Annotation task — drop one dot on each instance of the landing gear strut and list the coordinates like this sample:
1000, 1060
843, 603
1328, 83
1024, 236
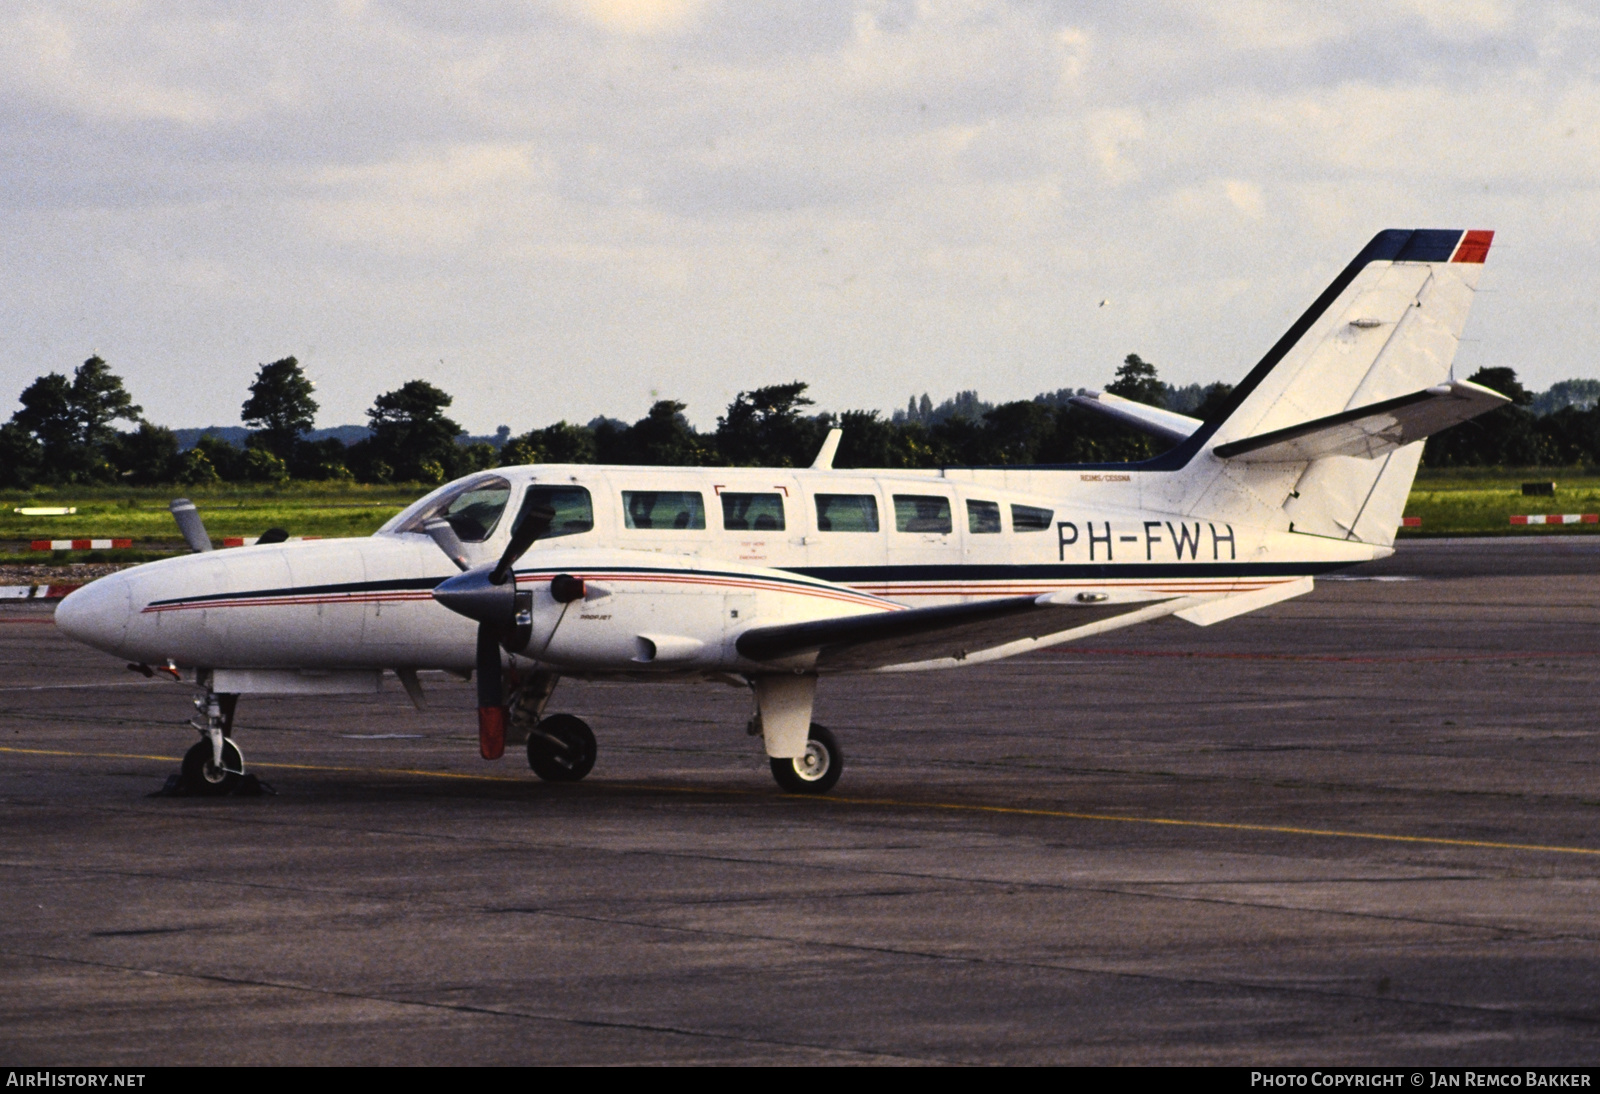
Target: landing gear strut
214, 766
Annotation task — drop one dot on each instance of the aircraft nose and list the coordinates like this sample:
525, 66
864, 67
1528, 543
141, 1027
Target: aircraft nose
97, 614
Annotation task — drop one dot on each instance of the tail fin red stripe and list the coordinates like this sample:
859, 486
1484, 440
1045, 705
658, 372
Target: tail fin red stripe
1474, 247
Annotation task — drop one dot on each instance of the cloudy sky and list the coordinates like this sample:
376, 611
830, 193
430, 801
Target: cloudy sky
558, 208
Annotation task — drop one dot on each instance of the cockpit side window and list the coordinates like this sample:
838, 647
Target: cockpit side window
473, 509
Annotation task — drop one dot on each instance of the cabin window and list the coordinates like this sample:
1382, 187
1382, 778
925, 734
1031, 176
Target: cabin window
573, 508
1025, 518
472, 509
752, 512
676, 509
922, 513
847, 513
983, 517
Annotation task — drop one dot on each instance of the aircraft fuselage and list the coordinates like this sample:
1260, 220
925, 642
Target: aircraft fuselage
696, 555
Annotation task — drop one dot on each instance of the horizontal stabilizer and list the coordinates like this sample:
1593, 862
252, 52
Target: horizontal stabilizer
1369, 431
860, 642
1164, 425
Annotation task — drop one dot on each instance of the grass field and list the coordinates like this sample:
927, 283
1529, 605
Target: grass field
1469, 501
1456, 502
141, 514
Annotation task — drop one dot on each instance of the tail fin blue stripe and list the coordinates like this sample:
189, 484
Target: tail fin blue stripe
1430, 245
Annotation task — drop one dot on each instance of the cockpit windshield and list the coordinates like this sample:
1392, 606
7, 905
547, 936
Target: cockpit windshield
472, 508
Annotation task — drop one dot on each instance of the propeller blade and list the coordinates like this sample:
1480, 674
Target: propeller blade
491, 694
190, 524
532, 522
443, 533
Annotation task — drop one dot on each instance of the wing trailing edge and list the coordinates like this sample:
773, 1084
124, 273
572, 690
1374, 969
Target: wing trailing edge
955, 632
1226, 607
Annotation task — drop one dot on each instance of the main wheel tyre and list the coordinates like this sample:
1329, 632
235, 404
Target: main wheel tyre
561, 749
203, 777
817, 770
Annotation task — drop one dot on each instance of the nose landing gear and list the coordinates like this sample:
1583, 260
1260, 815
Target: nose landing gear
204, 776
213, 766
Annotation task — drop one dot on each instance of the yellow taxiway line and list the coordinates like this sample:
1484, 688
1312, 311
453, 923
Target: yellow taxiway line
889, 803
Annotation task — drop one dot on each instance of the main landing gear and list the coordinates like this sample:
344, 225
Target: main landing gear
805, 757
813, 771
561, 749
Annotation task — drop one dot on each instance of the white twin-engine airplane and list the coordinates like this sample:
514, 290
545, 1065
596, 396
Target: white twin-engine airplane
772, 577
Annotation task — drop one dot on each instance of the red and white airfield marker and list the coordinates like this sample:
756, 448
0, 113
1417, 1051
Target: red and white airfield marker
81, 544
1557, 518
36, 592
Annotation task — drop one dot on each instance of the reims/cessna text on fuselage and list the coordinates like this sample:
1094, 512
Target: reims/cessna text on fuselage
774, 577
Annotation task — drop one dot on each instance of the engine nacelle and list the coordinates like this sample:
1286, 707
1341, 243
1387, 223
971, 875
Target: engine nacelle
627, 611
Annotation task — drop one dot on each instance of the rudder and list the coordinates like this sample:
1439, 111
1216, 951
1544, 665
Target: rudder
1387, 327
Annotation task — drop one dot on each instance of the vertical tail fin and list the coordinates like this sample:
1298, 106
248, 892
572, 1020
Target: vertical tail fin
1387, 326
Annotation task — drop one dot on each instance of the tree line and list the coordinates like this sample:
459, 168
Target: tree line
65, 432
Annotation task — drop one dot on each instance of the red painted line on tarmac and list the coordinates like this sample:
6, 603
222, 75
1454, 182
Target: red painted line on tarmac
1522, 655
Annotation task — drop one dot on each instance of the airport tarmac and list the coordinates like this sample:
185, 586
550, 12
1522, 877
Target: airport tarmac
1358, 827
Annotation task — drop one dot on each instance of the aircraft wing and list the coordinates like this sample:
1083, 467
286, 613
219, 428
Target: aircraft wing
1164, 425
1368, 431
957, 632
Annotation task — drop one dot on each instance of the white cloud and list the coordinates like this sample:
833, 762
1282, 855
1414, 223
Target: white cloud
639, 16
603, 198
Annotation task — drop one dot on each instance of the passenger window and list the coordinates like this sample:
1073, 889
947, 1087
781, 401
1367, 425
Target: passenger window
847, 513
573, 508
752, 512
1025, 518
472, 509
983, 517
677, 509
922, 513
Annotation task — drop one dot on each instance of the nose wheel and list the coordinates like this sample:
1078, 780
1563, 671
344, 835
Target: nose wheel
214, 766
203, 776
561, 749
815, 770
